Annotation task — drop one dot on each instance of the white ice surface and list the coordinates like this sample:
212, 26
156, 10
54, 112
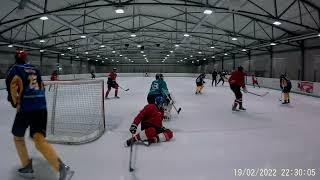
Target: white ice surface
209, 140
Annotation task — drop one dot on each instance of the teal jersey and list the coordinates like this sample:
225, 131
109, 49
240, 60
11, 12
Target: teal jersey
159, 87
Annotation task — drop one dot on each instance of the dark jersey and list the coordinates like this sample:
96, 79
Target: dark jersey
25, 88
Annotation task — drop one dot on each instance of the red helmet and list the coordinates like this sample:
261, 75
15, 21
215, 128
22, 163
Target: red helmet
21, 54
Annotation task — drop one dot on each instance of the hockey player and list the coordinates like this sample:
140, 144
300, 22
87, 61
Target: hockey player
152, 130
54, 77
158, 88
199, 82
214, 77
285, 85
236, 81
112, 83
254, 80
222, 77
26, 93
93, 76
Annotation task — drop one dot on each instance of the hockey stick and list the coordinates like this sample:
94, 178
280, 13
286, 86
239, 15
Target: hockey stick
260, 95
130, 160
178, 110
123, 88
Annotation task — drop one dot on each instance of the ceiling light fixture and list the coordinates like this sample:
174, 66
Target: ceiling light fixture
119, 10
176, 45
243, 50
86, 52
133, 35
273, 44
62, 54
83, 37
186, 35
44, 18
113, 51
234, 39
41, 50
69, 48
171, 51
42, 41
212, 47
277, 23
102, 46
226, 54
10, 45
207, 11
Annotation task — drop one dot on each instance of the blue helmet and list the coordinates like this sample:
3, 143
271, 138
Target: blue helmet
159, 101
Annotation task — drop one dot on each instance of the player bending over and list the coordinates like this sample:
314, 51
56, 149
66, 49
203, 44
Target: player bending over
236, 81
112, 83
285, 85
200, 83
152, 130
26, 93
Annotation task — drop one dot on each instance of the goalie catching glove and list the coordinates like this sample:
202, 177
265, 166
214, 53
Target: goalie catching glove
133, 128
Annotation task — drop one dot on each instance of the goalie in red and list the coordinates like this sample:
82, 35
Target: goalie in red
152, 130
112, 83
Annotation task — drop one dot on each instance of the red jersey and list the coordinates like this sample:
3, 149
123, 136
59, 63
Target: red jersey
237, 77
113, 76
54, 77
150, 115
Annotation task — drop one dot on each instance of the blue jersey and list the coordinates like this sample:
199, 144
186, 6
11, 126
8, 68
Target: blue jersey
159, 87
25, 88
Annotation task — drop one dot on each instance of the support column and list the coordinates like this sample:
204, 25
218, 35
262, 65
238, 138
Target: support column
41, 57
271, 62
302, 49
222, 66
249, 59
234, 61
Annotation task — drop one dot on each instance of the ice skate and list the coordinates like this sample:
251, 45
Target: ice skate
27, 171
65, 173
117, 97
234, 107
242, 108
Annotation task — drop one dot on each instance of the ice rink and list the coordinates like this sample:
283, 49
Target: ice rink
210, 140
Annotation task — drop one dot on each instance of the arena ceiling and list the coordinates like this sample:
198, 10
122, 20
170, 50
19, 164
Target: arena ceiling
155, 31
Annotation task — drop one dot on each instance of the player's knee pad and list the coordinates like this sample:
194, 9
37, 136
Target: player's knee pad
148, 133
165, 136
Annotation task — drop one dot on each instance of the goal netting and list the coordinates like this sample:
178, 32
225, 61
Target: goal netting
75, 111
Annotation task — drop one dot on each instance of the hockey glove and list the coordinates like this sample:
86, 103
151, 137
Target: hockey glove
133, 128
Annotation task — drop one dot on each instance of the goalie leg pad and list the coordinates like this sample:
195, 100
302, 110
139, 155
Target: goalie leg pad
165, 136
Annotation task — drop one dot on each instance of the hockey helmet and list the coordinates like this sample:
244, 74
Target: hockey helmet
157, 76
240, 68
161, 76
21, 55
159, 100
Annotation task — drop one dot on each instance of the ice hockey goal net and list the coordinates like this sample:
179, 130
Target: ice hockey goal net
75, 111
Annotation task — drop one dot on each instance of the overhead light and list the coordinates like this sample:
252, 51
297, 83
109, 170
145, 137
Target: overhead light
243, 50
102, 46
41, 50
112, 60
96, 60
102, 61
204, 59
226, 54
119, 10
139, 45
198, 60
191, 56
142, 52
132, 61
273, 44
120, 55
171, 51
125, 58
277, 23
192, 62
168, 55
234, 39
144, 55
318, 35
83, 37
185, 58
165, 57
176, 45
200, 52
86, 52
178, 61
113, 51
69, 48
105, 58
117, 61
43, 18
133, 35
207, 11
62, 54
88, 59
77, 57
42, 41
213, 57
10, 45
212, 47
98, 55
186, 35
